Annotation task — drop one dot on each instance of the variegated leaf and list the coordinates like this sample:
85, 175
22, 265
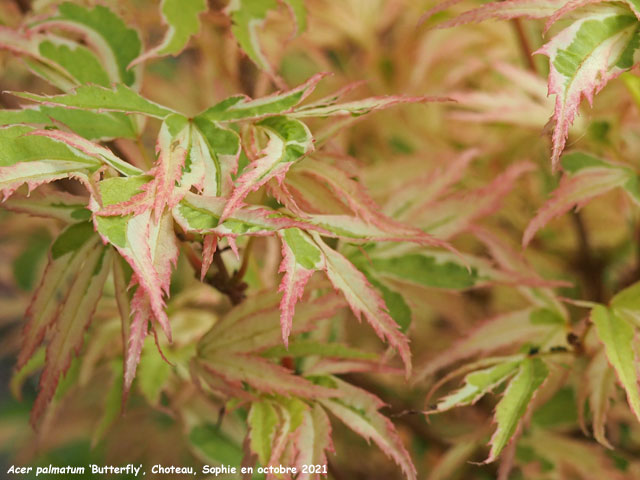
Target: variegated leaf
288, 141
514, 404
476, 385
119, 98
240, 108
586, 177
248, 15
181, 16
358, 410
72, 320
65, 259
34, 160
619, 338
115, 44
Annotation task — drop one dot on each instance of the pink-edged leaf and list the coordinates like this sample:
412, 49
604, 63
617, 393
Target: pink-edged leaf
504, 11
214, 154
361, 107
594, 49
141, 315
454, 214
510, 329
240, 108
209, 247
166, 188
115, 44
312, 440
296, 275
263, 423
254, 326
288, 141
119, 98
369, 224
146, 243
172, 148
364, 300
600, 379
90, 148
181, 16
73, 319
586, 178
26, 44
66, 257
358, 410
201, 214
50, 204
515, 402
263, 375
427, 187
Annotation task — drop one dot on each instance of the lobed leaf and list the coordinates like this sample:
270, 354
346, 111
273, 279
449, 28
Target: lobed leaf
513, 405
52, 204
476, 385
618, 338
248, 15
586, 177
289, 140
65, 259
583, 57
72, 320
358, 410
263, 421
181, 16
239, 107
116, 44
601, 384
119, 98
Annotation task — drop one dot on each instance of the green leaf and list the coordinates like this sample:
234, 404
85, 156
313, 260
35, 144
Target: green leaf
215, 446
395, 302
304, 348
112, 403
248, 15
79, 61
116, 44
35, 159
240, 107
153, 373
477, 384
71, 239
120, 98
263, 421
618, 338
91, 125
182, 18
425, 270
27, 265
513, 405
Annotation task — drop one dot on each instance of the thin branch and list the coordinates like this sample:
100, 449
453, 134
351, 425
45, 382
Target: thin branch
525, 45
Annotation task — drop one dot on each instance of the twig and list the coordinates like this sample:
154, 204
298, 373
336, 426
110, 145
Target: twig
525, 45
23, 5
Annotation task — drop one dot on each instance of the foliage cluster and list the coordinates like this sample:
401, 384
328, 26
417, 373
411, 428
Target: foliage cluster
193, 259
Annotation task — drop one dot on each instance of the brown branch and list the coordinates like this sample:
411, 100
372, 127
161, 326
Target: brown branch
589, 266
230, 285
23, 5
525, 45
